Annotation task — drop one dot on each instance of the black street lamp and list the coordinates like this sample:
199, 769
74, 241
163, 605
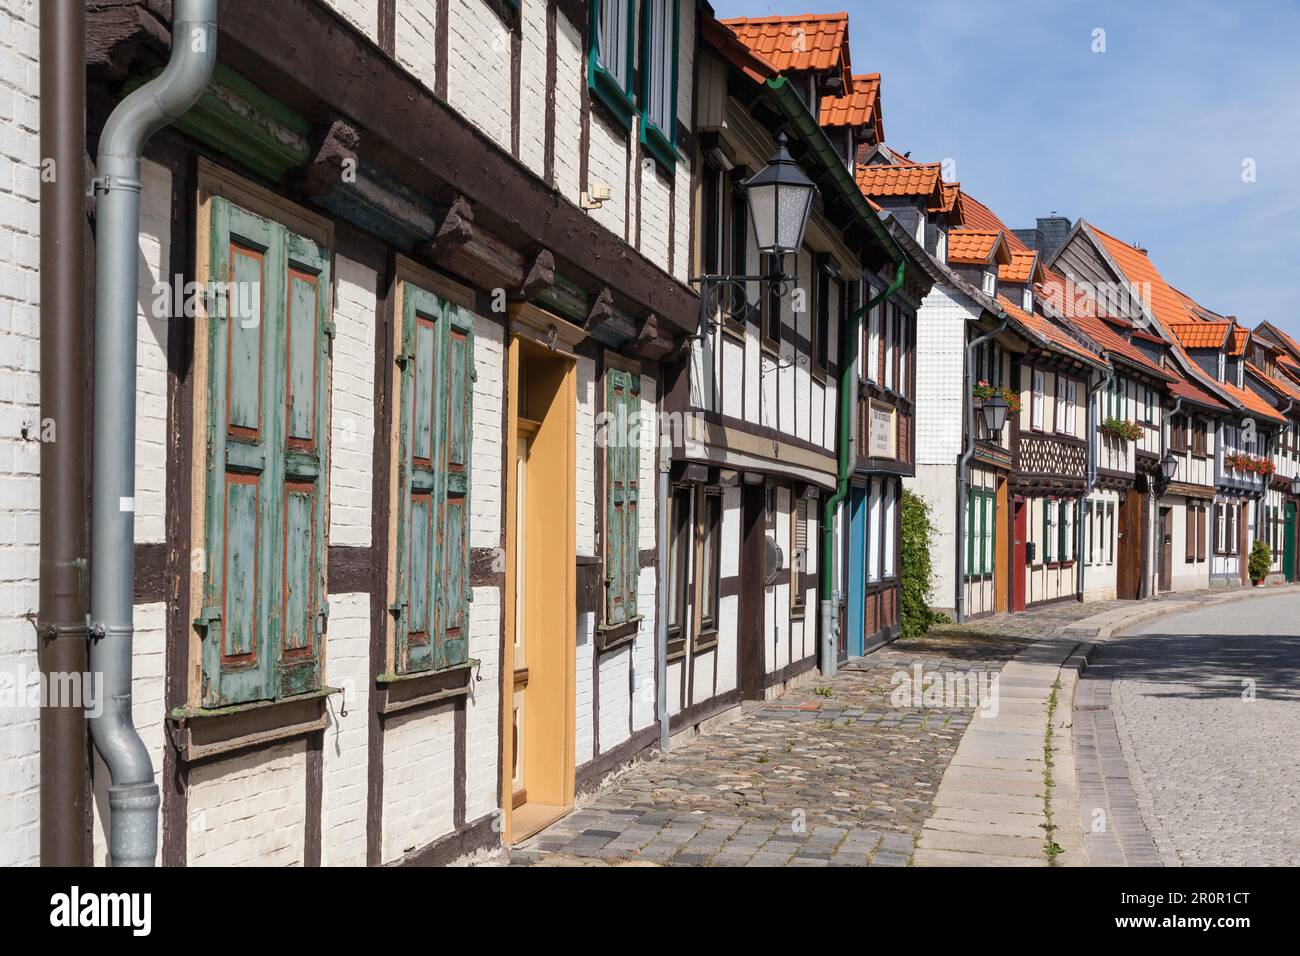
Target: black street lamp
1168, 466
780, 197
1295, 486
995, 415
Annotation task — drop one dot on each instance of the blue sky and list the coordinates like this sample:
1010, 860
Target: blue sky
1146, 140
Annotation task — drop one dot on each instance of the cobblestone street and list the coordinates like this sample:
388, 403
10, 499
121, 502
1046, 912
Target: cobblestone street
1192, 771
829, 775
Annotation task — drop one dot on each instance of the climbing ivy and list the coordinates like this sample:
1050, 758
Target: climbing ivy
918, 575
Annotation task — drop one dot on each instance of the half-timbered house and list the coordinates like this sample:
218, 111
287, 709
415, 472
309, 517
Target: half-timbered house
396, 575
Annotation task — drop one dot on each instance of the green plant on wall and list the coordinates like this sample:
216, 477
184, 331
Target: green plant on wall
918, 583
1261, 559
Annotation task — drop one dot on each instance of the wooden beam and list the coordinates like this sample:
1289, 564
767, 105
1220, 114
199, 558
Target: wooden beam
346, 75
335, 149
602, 310
540, 275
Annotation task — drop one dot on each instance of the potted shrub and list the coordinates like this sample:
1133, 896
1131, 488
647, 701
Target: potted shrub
983, 391
1261, 557
1128, 431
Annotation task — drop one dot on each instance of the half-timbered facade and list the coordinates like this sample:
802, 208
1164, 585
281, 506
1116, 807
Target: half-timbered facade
396, 567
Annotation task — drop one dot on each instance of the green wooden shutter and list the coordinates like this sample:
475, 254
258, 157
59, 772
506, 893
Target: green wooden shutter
622, 467
431, 612
263, 618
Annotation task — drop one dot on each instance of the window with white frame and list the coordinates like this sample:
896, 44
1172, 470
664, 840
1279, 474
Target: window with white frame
1027, 299
1051, 519
873, 531
1036, 399
659, 78
890, 523
889, 346
611, 54
1067, 529
990, 284
873, 342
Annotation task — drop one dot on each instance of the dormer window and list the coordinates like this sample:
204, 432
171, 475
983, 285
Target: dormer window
1241, 373
1223, 377
941, 244
1027, 299
990, 283
920, 230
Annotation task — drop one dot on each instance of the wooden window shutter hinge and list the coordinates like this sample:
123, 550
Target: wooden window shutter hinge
208, 617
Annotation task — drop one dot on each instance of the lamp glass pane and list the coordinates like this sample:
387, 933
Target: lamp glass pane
762, 213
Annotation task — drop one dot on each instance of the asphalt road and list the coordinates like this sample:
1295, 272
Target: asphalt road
1207, 709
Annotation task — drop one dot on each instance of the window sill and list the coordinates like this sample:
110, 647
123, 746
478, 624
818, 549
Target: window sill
611, 636
659, 146
706, 641
200, 733
399, 692
606, 91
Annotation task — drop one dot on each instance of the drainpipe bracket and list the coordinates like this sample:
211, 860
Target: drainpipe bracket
106, 184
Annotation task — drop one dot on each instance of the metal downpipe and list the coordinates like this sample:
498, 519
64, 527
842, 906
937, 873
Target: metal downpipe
849, 369
1090, 477
133, 794
61, 626
964, 464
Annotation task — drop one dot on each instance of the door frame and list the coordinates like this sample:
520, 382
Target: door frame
1019, 563
1289, 540
1165, 568
566, 407
752, 605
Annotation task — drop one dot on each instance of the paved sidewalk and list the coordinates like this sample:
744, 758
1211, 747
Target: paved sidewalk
840, 778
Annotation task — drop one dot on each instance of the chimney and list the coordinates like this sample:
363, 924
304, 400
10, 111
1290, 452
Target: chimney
1052, 231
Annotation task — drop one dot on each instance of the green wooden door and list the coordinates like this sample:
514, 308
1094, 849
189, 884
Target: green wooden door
268, 347
433, 480
1288, 542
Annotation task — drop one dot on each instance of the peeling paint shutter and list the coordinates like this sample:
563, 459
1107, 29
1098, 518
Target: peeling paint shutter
263, 616
431, 611
622, 464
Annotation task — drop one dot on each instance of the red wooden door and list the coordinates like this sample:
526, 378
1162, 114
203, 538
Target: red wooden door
1018, 562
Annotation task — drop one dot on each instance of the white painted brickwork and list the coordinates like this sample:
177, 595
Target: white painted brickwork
19, 407
478, 68
584, 722
485, 493
148, 711
345, 753
419, 771
151, 355
352, 422
532, 88
250, 808
483, 710
569, 82
607, 165
364, 14
655, 197
615, 670
643, 653
940, 367
414, 42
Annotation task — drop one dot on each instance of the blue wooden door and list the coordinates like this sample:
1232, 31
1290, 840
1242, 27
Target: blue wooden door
857, 567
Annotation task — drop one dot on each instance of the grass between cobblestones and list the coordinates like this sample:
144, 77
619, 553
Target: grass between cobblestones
1050, 846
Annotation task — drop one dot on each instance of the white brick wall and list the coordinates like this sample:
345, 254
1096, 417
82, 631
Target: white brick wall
654, 215
250, 809
151, 355
569, 81
414, 40
352, 422
419, 767
614, 702
19, 407
346, 750
940, 367
364, 14
483, 709
478, 68
607, 165
584, 720
485, 493
532, 88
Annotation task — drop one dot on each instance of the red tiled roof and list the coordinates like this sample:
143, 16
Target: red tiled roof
739, 55
1240, 336
1075, 307
919, 180
1251, 402
803, 42
1166, 304
976, 247
1285, 340
1055, 337
1278, 383
859, 107
1201, 335
1022, 267
979, 216
951, 204
1180, 387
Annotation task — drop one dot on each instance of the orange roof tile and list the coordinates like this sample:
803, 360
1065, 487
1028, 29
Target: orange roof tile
1022, 267
1075, 307
739, 55
859, 107
1055, 336
1180, 387
1276, 382
977, 247
1251, 402
919, 180
951, 200
1240, 336
979, 216
803, 42
1201, 335
1285, 340
1166, 304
